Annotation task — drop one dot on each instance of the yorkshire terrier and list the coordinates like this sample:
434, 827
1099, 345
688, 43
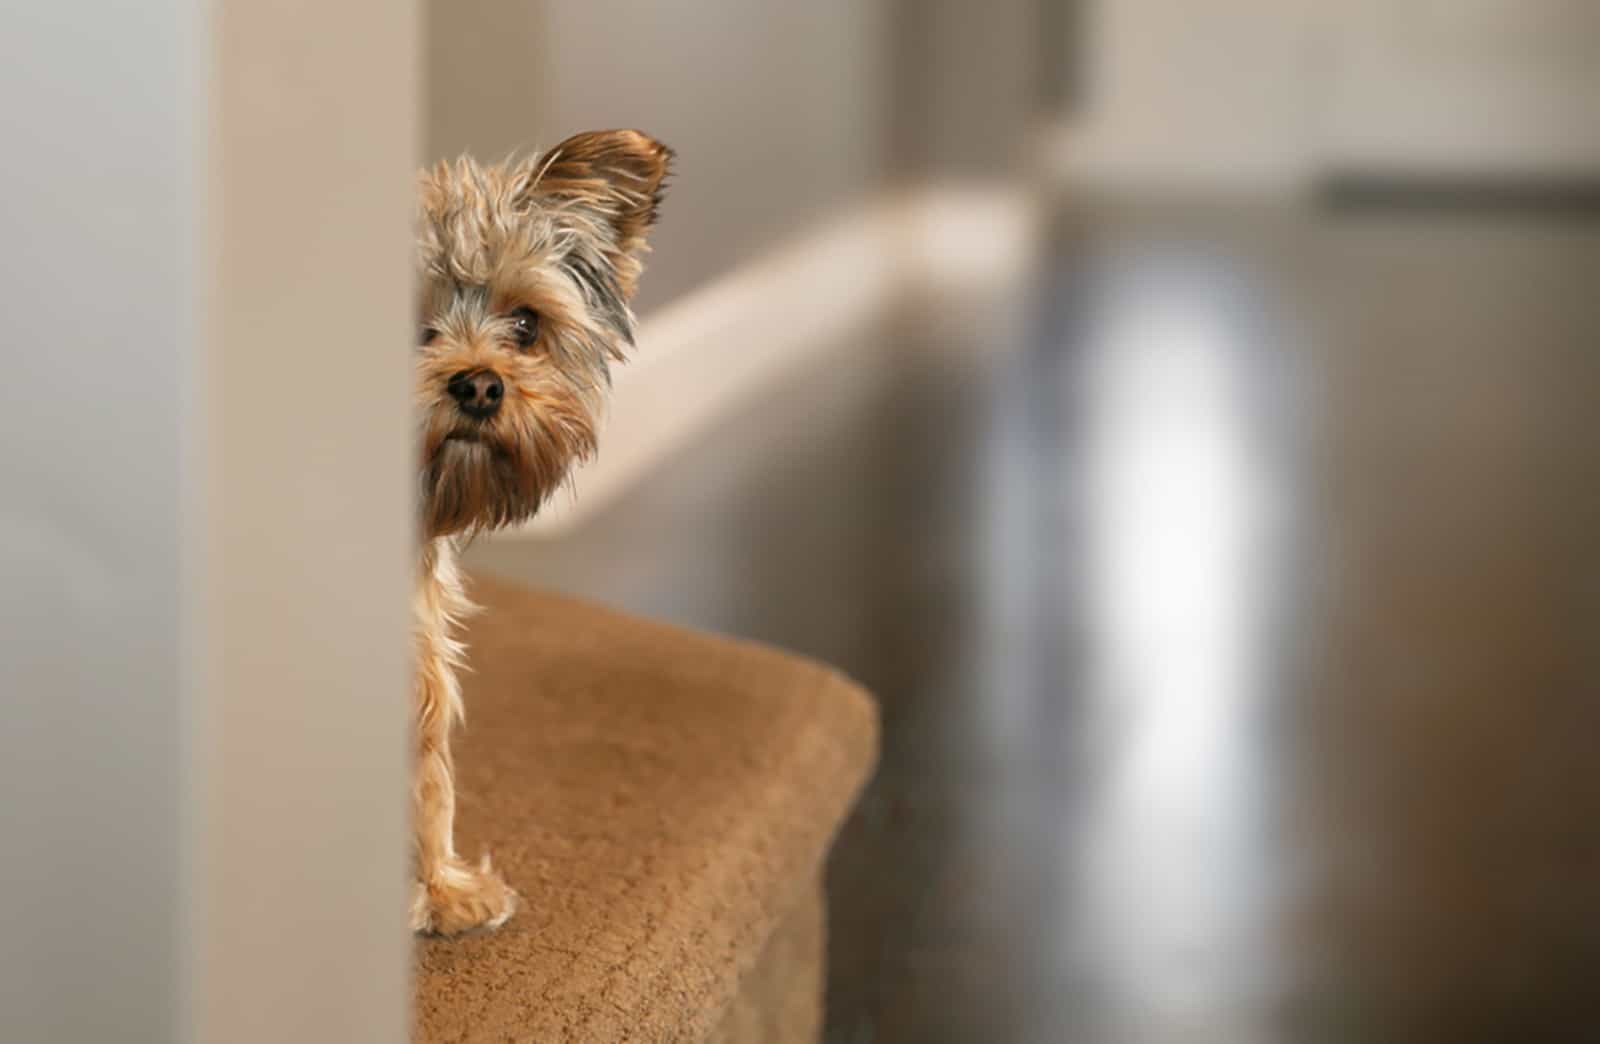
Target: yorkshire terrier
526, 271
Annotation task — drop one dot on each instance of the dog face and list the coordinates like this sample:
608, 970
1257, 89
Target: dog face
526, 271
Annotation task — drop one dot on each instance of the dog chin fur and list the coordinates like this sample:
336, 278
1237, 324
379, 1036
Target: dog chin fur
470, 484
526, 270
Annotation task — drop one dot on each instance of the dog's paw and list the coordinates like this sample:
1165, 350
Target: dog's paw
458, 898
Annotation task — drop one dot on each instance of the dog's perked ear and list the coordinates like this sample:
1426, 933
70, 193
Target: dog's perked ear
616, 177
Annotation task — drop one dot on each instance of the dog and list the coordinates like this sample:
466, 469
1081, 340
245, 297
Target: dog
526, 273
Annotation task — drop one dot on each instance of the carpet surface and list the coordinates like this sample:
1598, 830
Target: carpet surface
780, 1000
663, 801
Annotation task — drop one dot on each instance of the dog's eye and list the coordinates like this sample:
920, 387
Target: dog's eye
426, 334
525, 326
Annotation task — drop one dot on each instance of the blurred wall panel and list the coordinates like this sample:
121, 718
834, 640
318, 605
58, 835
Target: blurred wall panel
1502, 89
778, 110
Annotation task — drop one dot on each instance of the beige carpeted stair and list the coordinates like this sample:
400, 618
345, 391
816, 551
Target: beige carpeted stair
663, 800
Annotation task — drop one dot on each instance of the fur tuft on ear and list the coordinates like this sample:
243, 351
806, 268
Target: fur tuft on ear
618, 174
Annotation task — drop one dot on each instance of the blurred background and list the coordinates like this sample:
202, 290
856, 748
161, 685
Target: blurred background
1180, 415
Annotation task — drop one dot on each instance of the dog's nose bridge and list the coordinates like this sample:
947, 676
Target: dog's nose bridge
474, 352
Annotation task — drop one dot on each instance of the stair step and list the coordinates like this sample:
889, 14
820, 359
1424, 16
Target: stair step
663, 800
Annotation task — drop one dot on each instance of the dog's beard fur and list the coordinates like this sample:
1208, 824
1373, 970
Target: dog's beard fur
473, 485
559, 234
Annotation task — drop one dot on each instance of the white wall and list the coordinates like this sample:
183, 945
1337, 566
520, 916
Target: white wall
100, 296
310, 499
206, 494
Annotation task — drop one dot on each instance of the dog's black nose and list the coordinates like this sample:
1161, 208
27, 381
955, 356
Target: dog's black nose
477, 392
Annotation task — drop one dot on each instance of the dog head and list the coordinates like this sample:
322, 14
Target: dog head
526, 272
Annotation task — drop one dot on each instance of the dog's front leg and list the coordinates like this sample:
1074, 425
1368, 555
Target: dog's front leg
449, 895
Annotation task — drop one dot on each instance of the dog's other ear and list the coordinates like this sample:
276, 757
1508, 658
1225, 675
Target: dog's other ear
618, 176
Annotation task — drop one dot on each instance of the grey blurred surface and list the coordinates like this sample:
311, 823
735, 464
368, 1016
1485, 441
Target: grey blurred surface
971, 82
99, 345
1231, 595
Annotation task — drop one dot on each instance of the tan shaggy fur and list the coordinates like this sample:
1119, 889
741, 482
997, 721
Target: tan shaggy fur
556, 239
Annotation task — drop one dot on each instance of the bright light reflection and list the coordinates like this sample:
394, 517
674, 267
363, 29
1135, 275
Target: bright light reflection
1176, 534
